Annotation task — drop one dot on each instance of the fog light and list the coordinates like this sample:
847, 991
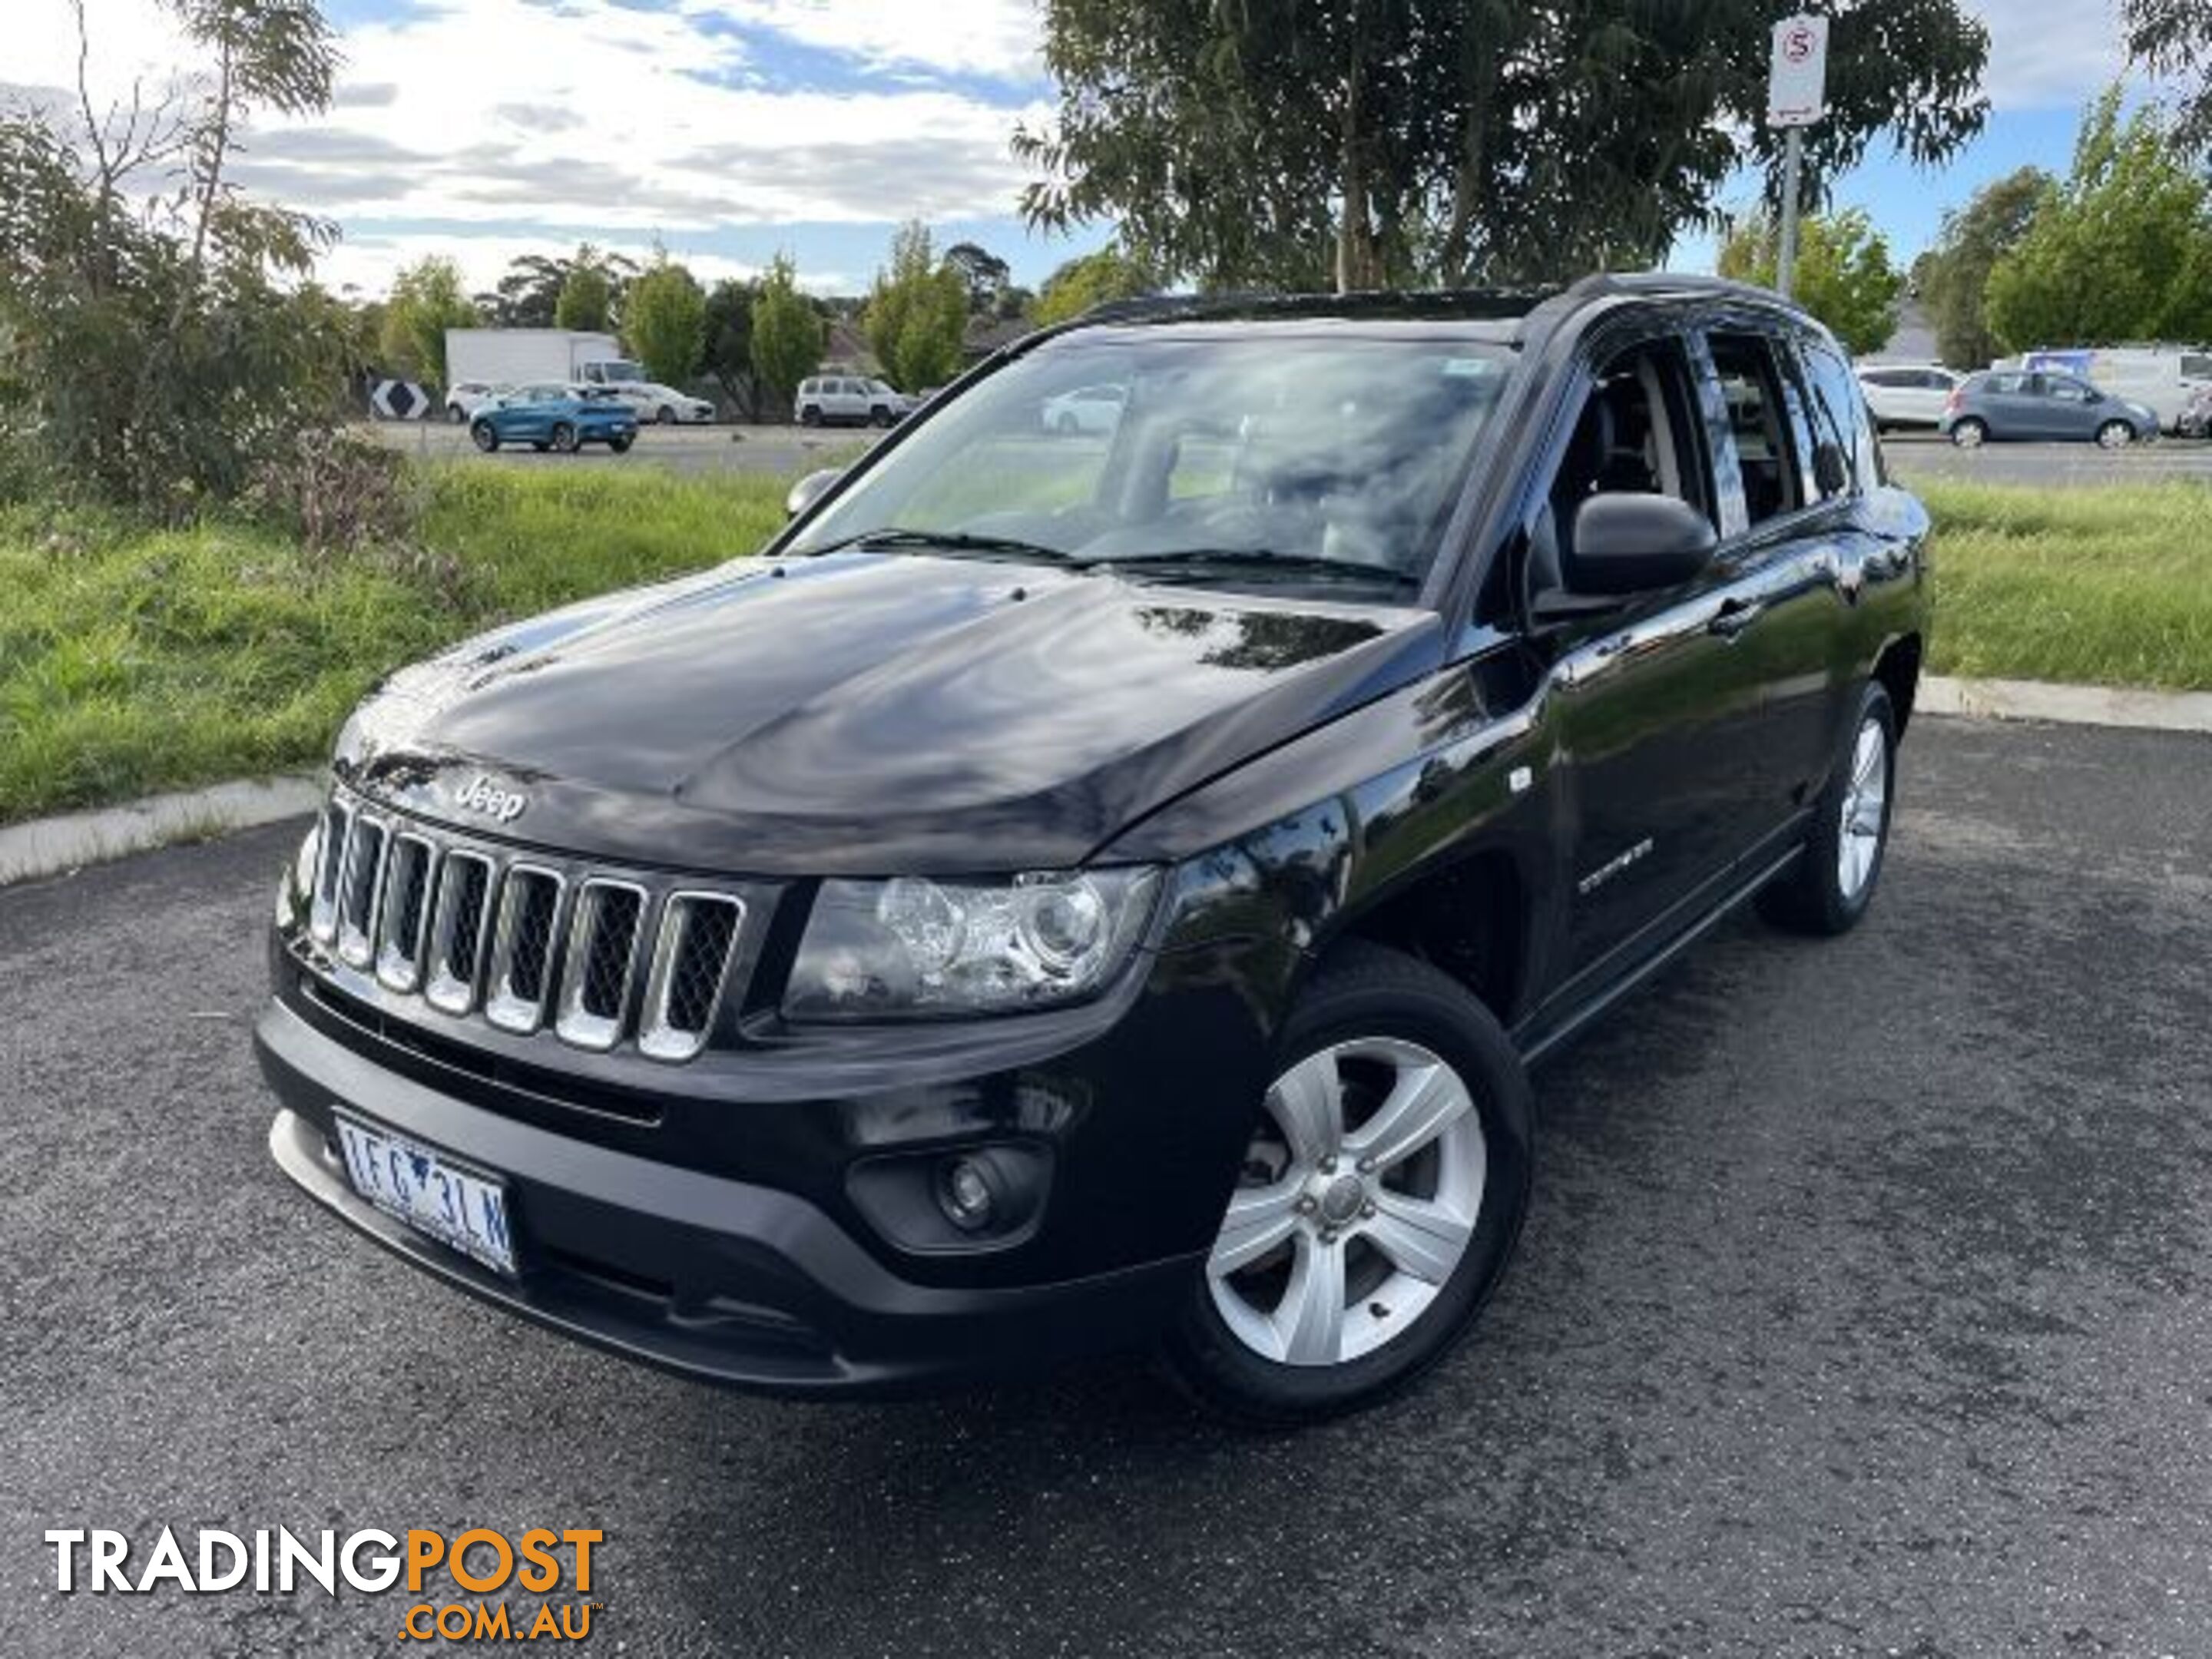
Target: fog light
967, 1193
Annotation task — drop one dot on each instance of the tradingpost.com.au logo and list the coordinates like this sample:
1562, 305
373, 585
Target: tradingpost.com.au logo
530, 1588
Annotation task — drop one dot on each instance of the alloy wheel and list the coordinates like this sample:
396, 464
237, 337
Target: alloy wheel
2116, 435
1865, 811
1361, 1190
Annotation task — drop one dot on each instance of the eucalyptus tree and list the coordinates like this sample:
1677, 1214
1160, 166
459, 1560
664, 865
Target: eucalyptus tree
1375, 143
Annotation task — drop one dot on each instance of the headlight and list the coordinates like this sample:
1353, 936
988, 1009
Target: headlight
880, 949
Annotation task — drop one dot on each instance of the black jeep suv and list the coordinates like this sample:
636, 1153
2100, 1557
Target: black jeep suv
1082, 892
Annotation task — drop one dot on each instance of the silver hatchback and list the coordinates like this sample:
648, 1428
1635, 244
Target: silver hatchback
2020, 405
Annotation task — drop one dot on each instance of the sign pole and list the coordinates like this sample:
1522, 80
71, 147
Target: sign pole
1797, 97
1793, 172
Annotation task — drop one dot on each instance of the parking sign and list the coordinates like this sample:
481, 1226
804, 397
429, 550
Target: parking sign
1797, 90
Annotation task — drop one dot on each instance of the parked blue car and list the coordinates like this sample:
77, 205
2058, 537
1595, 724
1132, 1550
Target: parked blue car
557, 417
2015, 405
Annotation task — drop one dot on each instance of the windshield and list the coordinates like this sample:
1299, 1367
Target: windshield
1329, 455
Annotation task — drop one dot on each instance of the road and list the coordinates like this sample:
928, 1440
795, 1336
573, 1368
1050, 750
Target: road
1864, 1308
786, 451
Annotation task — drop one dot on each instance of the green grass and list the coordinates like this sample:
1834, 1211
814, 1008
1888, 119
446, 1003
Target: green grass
2103, 587
135, 660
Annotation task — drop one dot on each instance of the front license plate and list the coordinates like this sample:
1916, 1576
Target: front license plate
460, 1207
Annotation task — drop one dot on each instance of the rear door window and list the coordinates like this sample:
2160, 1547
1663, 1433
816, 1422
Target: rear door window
1759, 423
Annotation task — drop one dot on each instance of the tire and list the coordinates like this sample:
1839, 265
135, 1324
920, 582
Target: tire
810, 415
620, 445
879, 416
2115, 434
1828, 891
457, 414
1310, 1221
664, 416
1971, 433
483, 436
564, 438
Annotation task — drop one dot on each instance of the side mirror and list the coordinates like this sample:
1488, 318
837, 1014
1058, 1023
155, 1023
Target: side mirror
1635, 543
810, 489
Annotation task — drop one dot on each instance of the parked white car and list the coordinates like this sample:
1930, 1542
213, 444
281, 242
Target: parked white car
849, 400
664, 405
1908, 394
465, 399
1090, 410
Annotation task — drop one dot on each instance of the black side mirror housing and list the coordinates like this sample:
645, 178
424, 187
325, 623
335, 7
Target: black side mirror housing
810, 489
1637, 543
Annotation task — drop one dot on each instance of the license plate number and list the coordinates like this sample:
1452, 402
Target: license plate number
461, 1208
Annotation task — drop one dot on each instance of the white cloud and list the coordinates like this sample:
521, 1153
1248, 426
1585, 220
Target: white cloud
368, 263
2048, 54
603, 114
996, 38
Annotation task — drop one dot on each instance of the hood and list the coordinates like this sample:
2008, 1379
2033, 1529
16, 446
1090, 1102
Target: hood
869, 713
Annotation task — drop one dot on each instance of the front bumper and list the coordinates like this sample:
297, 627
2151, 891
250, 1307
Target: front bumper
718, 1278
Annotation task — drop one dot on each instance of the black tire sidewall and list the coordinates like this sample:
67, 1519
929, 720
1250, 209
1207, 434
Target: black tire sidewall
1834, 911
485, 438
1376, 992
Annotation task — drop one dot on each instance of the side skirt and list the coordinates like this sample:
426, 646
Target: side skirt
1543, 1037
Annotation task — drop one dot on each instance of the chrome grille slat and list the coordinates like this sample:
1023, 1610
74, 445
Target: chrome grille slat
457, 931
523, 948
530, 944
338, 824
360, 890
601, 963
411, 867
691, 961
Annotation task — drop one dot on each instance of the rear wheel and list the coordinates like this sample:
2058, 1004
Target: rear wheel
1970, 434
2116, 435
564, 438
1381, 1192
1829, 888
620, 445
484, 437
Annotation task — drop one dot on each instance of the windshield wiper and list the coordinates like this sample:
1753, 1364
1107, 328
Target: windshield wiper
945, 541
1200, 560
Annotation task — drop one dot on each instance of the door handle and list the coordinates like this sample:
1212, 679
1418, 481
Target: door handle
1735, 616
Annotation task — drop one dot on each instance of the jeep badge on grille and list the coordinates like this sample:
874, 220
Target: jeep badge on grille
483, 795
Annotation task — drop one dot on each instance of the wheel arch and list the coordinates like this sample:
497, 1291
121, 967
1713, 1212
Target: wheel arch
1472, 919
1898, 668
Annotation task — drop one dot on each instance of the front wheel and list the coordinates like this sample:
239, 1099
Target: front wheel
620, 445
457, 414
810, 415
664, 416
1970, 434
1381, 1194
2115, 434
1829, 888
485, 438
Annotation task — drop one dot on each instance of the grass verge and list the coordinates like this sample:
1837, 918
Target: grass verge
2111, 586
134, 660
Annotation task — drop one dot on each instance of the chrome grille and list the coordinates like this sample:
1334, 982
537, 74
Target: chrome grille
529, 943
522, 948
409, 868
602, 958
457, 931
359, 888
690, 967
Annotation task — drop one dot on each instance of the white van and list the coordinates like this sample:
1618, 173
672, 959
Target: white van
2163, 377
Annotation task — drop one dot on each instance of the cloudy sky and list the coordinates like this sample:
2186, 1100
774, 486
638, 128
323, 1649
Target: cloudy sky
730, 129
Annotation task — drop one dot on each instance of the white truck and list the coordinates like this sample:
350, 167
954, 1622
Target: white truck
513, 356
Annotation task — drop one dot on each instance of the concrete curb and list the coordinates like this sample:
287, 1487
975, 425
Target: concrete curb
2067, 705
46, 847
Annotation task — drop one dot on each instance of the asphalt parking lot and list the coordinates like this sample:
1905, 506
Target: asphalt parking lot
786, 451
1864, 1309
